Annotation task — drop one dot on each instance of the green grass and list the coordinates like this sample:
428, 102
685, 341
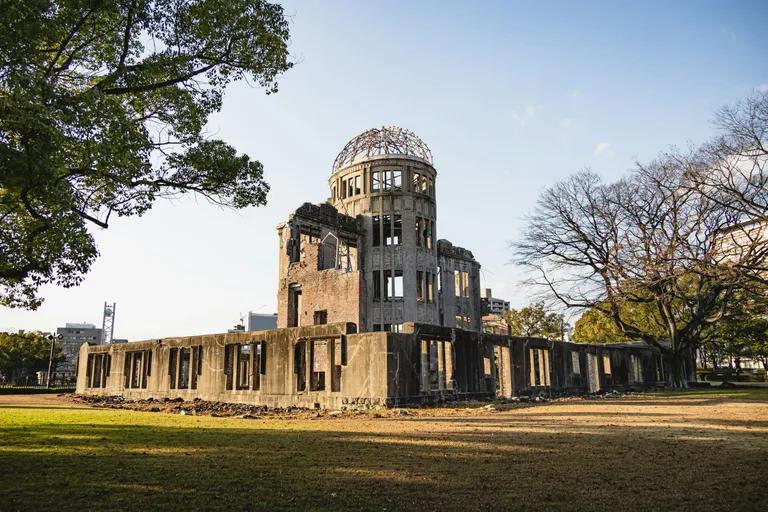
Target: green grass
699, 450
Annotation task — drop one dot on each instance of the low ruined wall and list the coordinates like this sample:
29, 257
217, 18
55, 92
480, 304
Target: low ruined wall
329, 366
362, 369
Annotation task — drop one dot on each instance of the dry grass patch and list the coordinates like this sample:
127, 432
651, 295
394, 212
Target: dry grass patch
703, 450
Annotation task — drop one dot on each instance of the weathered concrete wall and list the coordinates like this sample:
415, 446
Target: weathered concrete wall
363, 368
331, 366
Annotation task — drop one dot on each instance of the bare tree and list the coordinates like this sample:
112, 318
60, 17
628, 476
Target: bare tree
662, 239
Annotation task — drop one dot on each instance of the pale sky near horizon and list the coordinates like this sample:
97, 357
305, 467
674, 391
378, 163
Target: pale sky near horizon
510, 97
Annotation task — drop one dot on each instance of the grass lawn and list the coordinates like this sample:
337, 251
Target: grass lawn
700, 450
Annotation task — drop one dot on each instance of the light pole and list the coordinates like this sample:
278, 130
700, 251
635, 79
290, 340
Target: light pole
53, 338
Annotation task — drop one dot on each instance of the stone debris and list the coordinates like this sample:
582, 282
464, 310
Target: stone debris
200, 407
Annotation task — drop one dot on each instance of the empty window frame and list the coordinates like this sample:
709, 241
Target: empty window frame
392, 180
137, 368
376, 230
430, 287
393, 229
376, 278
354, 186
320, 317
420, 286
197, 362
386, 180
635, 369
424, 229
418, 179
538, 365
243, 366
300, 365
338, 360
319, 357
259, 350
244, 363
294, 305
185, 365
387, 284
436, 365
575, 363
419, 231
607, 364
388, 327
97, 370
394, 283
463, 322
461, 283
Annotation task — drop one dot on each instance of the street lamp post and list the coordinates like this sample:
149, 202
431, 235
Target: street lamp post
53, 338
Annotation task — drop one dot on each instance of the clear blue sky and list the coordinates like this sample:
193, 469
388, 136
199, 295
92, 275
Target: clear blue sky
510, 97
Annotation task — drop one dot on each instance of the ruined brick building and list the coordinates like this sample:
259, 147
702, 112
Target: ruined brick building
370, 254
373, 309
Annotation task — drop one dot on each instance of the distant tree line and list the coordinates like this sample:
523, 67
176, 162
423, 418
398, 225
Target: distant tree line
23, 354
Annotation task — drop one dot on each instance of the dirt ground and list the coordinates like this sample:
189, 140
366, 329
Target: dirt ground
699, 450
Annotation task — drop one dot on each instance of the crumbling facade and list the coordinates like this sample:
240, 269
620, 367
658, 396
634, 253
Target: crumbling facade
333, 366
373, 310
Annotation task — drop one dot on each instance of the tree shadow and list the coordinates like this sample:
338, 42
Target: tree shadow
466, 463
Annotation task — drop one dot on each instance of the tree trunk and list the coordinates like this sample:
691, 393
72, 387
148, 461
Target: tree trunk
677, 377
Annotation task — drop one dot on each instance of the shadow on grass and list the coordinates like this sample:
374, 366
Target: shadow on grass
467, 464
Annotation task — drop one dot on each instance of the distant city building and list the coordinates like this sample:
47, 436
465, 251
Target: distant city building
495, 324
119, 340
491, 305
72, 336
261, 321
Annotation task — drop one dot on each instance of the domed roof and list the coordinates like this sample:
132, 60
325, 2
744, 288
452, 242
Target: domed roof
384, 141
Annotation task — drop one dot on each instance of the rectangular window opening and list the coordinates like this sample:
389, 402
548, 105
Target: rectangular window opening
376, 231
184, 367
321, 317
420, 286
243, 366
300, 365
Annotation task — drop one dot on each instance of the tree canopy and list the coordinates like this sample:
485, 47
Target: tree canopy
595, 326
24, 353
102, 111
678, 236
535, 321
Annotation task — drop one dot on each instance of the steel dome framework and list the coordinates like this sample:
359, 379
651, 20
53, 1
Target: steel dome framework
384, 141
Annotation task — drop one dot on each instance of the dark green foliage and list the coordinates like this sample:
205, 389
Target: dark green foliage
743, 329
102, 110
24, 353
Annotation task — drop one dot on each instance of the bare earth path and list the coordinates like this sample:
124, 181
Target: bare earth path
703, 450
